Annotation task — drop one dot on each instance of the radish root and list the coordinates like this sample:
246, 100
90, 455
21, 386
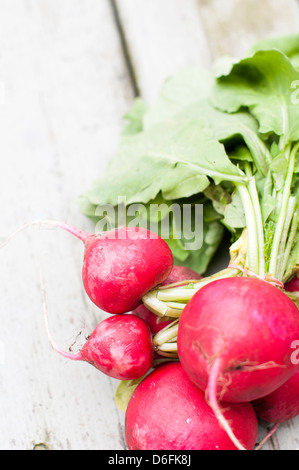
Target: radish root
267, 437
74, 231
213, 402
68, 355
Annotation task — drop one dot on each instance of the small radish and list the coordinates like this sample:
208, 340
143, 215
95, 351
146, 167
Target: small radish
280, 405
120, 347
292, 285
178, 274
120, 266
168, 412
234, 340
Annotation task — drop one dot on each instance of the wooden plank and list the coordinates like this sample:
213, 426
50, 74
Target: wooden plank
163, 37
287, 436
66, 90
66, 87
233, 26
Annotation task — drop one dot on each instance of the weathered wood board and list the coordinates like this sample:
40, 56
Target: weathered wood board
65, 84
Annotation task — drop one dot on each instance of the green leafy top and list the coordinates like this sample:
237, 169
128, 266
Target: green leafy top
265, 84
228, 141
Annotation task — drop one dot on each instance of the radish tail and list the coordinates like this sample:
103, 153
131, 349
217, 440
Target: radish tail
267, 437
83, 236
213, 402
74, 357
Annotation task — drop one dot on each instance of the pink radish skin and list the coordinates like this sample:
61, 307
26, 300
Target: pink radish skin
181, 273
119, 266
245, 325
292, 285
168, 412
178, 273
154, 322
234, 341
120, 347
280, 405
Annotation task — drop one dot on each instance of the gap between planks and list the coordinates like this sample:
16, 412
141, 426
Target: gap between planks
125, 48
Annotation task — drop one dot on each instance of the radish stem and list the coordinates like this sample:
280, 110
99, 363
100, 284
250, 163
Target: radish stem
168, 347
292, 235
251, 224
259, 224
286, 229
283, 210
185, 294
166, 334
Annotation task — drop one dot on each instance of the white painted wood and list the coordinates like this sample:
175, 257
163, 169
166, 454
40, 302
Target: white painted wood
233, 26
163, 37
287, 436
66, 89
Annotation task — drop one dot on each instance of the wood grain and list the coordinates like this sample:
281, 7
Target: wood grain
65, 83
233, 26
163, 37
66, 90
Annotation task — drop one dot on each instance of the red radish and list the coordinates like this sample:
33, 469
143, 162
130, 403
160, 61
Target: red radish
123, 265
168, 412
280, 405
244, 325
234, 340
178, 274
181, 273
292, 285
154, 322
120, 266
120, 347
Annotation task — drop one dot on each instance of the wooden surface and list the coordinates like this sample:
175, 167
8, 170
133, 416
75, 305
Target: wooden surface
69, 70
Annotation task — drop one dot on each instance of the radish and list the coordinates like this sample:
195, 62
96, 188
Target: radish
280, 405
178, 274
168, 412
120, 266
234, 340
120, 347
154, 322
292, 285
181, 273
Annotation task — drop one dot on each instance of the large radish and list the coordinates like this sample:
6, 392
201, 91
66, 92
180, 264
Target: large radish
168, 412
280, 405
234, 340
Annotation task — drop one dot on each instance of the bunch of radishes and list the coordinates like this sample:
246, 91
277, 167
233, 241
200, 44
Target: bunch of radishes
234, 347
